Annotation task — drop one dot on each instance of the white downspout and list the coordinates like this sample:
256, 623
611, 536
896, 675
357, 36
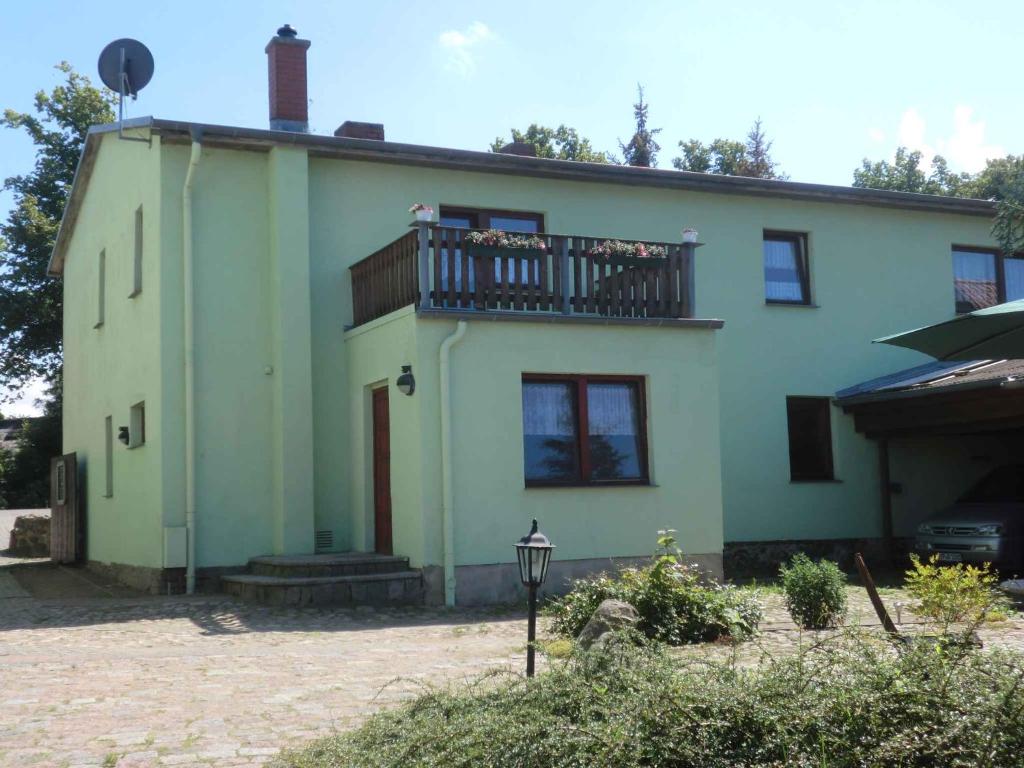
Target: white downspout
190, 354
447, 496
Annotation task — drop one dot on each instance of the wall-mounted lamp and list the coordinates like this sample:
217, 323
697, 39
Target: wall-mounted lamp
122, 434
406, 383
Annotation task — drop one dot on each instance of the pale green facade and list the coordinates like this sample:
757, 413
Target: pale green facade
282, 384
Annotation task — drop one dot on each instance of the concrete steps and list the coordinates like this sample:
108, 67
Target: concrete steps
351, 578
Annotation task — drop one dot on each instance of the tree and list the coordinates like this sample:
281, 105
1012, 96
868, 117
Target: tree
31, 302
905, 174
642, 149
727, 157
25, 472
561, 143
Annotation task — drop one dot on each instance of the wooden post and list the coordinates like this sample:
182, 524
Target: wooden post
876, 601
563, 255
690, 275
423, 236
886, 498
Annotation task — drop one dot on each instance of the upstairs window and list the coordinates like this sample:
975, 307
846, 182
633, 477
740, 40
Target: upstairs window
786, 274
983, 277
101, 290
583, 430
108, 456
137, 425
810, 438
137, 256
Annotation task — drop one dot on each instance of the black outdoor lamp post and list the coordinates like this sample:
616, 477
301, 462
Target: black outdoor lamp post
534, 553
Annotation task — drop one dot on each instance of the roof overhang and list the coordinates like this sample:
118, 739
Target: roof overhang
172, 131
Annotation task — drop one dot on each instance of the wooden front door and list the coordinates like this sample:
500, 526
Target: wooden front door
67, 523
381, 472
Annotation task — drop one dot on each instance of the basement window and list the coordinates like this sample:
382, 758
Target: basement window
584, 430
810, 439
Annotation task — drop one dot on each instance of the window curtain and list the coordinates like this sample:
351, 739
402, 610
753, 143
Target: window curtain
509, 224
1014, 272
974, 280
613, 431
782, 271
550, 448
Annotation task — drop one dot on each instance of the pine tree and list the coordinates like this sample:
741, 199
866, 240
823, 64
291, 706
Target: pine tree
642, 149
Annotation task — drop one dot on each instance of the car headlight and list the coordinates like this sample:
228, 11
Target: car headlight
924, 528
990, 530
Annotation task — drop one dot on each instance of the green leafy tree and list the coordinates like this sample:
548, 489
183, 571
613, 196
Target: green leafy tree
905, 174
25, 472
726, 157
561, 143
642, 149
31, 302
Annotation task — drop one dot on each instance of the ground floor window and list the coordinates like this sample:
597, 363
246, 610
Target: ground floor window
584, 430
810, 438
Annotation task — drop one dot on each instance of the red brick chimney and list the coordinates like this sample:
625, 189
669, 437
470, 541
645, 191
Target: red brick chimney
286, 59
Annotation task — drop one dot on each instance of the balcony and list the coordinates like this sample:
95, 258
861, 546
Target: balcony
440, 268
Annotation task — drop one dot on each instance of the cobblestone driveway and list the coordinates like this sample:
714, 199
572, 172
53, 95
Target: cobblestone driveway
208, 681
201, 681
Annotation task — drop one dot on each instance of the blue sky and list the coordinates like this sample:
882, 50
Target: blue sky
832, 82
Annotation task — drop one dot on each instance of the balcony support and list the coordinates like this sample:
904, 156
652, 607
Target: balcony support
566, 287
423, 262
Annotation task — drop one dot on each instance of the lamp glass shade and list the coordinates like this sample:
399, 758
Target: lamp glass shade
406, 383
533, 552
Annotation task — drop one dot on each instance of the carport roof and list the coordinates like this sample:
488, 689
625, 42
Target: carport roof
932, 378
939, 398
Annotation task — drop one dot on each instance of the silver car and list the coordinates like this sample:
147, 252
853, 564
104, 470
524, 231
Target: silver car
986, 525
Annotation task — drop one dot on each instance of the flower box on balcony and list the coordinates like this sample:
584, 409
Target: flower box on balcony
645, 262
503, 251
626, 254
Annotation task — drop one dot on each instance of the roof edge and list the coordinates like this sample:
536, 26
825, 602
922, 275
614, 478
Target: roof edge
494, 162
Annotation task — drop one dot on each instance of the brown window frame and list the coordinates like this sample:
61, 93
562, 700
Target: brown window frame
825, 446
583, 428
999, 259
803, 264
482, 216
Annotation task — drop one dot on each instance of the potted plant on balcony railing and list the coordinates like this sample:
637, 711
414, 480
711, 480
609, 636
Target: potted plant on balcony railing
496, 242
423, 212
628, 254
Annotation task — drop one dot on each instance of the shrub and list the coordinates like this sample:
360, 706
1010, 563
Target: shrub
850, 702
675, 605
815, 592
957, 594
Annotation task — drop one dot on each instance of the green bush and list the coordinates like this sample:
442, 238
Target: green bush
815, 591
675, 605
849, 703
954, 596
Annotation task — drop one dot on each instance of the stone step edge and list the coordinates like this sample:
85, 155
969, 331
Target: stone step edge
306, 581
324, 561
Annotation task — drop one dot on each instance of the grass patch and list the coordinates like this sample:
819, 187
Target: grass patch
849, 702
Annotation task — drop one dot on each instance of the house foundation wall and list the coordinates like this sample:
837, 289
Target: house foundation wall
743, 559
499, 582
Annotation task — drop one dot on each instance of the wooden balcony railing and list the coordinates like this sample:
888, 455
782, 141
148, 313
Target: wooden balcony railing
432, 267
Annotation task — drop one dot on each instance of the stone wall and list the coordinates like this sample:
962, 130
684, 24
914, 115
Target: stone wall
30, 537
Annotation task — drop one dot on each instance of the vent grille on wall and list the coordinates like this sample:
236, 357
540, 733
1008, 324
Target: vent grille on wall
324, 541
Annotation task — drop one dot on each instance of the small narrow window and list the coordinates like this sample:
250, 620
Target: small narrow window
1013, 272
101, 289
108, 455
975, 282
137, 263
810, 438
137, 425
786, 273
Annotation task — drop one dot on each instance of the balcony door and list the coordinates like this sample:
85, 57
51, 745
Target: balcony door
507, 221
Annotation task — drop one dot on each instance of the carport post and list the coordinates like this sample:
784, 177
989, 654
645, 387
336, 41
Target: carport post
886, 497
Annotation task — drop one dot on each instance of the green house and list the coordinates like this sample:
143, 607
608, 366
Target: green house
303, 370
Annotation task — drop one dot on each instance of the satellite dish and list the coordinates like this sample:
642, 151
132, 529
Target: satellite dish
126, 66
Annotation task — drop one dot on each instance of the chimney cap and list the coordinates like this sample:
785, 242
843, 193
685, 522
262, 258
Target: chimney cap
287, 31
521, 148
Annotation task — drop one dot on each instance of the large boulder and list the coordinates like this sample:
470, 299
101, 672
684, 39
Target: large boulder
610, 616
30, 536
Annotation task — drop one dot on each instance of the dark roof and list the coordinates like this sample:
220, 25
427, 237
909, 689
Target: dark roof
496, 162
933, 378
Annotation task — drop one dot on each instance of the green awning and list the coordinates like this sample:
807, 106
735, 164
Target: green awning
994, 333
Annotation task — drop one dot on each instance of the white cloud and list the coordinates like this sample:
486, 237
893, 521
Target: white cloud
965, 148
460, 47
